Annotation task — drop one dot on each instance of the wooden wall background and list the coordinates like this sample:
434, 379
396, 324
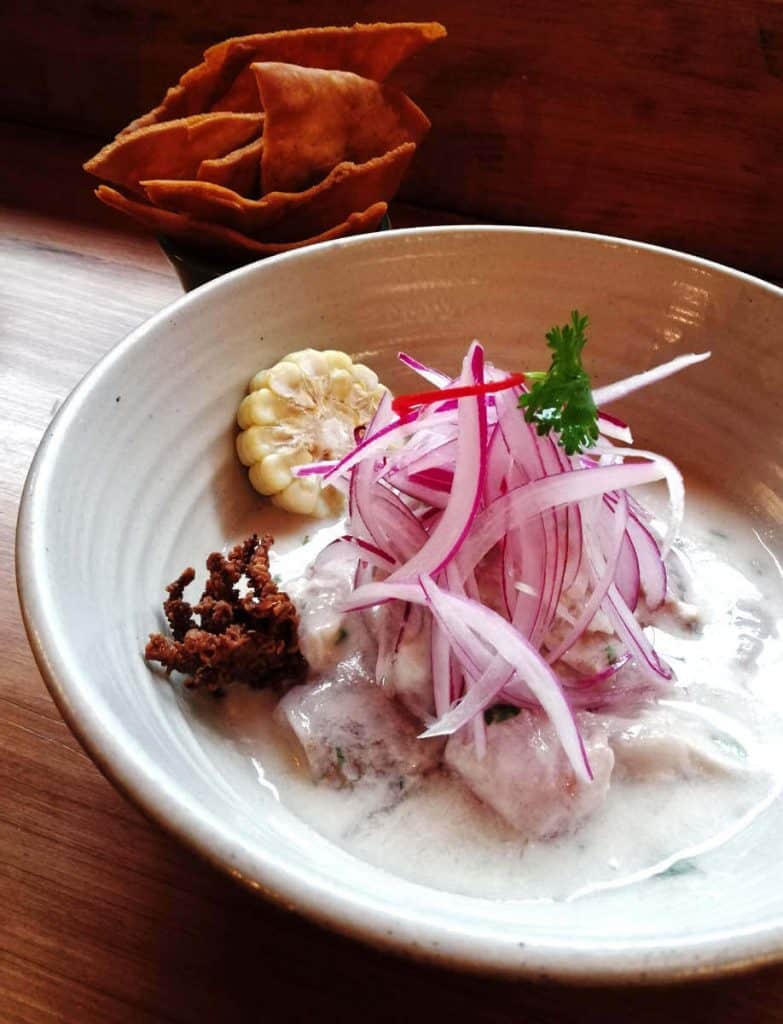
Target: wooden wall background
659, 120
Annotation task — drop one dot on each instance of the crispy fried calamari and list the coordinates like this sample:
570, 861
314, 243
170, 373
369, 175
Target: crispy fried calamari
250, 638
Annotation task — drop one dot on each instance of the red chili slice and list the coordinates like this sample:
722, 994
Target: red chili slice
404, 404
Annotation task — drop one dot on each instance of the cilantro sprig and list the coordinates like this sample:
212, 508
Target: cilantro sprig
562, 398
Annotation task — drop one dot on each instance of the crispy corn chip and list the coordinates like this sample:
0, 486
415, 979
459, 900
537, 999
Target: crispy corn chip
223, 81
239, 170
288, 216
214, 237
175, 149
316, 119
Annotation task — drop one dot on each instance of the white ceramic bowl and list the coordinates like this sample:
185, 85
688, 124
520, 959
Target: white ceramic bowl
137, 477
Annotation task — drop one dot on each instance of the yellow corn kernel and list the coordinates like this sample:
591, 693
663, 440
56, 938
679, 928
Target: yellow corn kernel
285, 380
365, 376
253, 445
260, 407
300, 496
337, 360
340, 382
271, 474
312, 363
258, 381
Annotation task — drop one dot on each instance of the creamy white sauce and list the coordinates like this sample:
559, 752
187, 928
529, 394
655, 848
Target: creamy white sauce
729, 693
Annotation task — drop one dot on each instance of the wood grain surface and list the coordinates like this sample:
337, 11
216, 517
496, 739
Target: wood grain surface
657, 121
103, 918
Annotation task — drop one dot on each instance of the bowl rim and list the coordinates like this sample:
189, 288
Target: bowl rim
646, 962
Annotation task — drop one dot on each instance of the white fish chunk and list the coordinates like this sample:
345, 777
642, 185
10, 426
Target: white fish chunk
409, 675
351, 730
325, 632
659, 744
526, 777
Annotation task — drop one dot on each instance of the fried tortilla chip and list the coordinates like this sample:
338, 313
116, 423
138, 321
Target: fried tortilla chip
239, 170
288, 216
223, 81
316, 119
214, 237
175, 149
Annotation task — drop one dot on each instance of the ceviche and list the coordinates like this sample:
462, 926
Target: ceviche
495, 664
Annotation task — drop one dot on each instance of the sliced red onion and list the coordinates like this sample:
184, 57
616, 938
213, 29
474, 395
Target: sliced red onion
465, 497
440, 455
632, 635
479, 696
674, 482
610, 426
588, 682
441, 669
626, 575
652, 568
314, 468
413, 488
435, 377
522, 442
372, 444
612, 392
352, 548
446, 537
391, 621
523, 503
371, 594
600, 588
462, 616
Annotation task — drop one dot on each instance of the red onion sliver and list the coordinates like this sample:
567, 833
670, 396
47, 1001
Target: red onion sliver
612, 392
626, 573
440, 380
353, 548
313, 468
371, 445
523, 503
632, 635
463, 615
600, 588
610, 426
674, 482
447, 536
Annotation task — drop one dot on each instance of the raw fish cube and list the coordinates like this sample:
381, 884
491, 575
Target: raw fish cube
527, 778
349, 731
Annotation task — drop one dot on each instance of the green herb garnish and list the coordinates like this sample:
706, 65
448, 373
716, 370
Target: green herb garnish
562, 398
342, 634
338, 753
611, 654
500, 713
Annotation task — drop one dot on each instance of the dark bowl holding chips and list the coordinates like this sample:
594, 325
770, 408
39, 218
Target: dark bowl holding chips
195, 267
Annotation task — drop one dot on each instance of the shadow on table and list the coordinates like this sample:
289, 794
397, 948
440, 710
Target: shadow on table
245, 958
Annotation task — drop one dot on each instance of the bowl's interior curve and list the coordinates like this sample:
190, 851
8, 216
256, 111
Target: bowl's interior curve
138, 478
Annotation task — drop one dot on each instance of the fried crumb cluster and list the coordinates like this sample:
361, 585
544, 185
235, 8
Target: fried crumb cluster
249, 638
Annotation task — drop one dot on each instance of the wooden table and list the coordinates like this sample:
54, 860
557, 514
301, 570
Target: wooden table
103, 918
